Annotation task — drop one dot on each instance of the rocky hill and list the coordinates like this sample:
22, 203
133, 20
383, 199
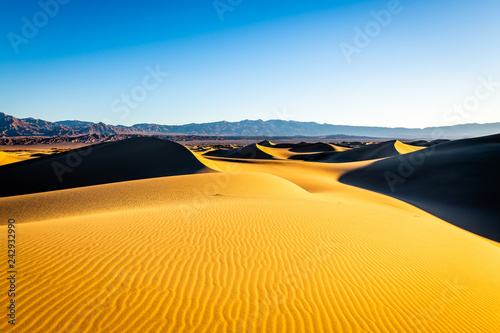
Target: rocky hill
11, 126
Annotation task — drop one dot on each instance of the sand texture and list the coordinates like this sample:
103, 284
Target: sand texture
146, 236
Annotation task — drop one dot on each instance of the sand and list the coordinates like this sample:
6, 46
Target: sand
241, 245
12, 157
368, 152
457, 181
129, 159
253, 151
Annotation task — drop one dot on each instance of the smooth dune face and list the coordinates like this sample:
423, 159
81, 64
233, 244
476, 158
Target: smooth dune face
340, 148
100, 164
258, 246
278, 153
403, 148
457, 181
317, 152
288, 153
343, 155
253, 151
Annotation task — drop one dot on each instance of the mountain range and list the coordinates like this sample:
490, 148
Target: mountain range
12, 127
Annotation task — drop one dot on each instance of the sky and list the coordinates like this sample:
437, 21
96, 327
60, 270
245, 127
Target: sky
408, 63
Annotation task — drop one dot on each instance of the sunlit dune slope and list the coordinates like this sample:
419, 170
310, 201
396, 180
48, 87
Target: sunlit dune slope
278, 153
404, 148
143, 193
286, 152
266, 143
457, 181
245, 252
224, 244
130, 159
313, 177
8, 158
318, 152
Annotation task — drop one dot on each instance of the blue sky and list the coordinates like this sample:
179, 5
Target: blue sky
423, 65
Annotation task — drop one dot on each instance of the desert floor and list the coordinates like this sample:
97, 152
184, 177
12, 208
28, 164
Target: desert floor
145, 235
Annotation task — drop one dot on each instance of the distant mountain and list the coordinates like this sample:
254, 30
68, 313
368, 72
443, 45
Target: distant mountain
11, 126
282, 128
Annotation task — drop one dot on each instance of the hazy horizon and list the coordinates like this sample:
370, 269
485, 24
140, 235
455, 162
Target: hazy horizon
220, 121
357, 63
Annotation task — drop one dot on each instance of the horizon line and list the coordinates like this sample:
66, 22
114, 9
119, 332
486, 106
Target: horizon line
272, 119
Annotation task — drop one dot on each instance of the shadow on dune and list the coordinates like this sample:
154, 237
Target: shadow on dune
313, 147
457, 181
110, 162
423, 143
370, 152
248, 152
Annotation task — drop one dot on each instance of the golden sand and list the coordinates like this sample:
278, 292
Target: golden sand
404, 148
260, 246
8, 158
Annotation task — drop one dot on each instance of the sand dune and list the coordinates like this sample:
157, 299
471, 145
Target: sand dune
250, 261
281, 153
130, 159
312, 177
456, 181
18, 155
252, 151
404, 148
424, 143
157, 192
8, 158
318, 147
277, 153
261, 245
370, 152
317, 152
266, 143
280, 145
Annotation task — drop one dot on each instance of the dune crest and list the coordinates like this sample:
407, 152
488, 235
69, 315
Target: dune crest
253, 151
109, 162
456, 181
404, 148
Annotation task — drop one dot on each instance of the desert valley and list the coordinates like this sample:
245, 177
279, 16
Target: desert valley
233, 166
